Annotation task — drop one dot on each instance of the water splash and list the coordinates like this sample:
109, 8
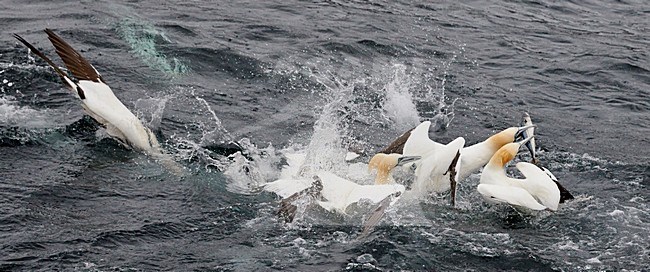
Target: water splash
189, 147
219, 131
150, 110
249, 170
12, 114
442, 113
144, 40
325, 150
355, 105
399, 104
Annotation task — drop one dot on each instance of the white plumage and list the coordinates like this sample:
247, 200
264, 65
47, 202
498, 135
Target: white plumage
432, 172
337, 193
97, 98
536, 191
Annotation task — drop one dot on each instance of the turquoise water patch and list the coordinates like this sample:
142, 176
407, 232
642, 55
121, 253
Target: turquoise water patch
143, 39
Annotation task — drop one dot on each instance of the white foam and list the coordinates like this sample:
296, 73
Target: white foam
617, 213
593, 260
12, 114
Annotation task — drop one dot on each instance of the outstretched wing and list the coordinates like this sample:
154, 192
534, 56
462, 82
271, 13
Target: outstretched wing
78, 65
436, 165
397, 146
61, 74
374, 218
374, 193
287, 187
419, 143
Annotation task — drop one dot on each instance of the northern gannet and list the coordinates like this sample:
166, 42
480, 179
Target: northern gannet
331, 192
97, 98
438, 160
385, 163
536, 191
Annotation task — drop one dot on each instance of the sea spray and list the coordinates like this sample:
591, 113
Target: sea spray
399, 104
189, 147
150, 110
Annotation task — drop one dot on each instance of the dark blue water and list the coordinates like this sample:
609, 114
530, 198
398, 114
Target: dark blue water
322, 77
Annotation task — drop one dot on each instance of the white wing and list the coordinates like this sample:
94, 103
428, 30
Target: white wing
374, 193
531, 171
287, 187
419, 143
339, 193
432, 168
509, 194
549, 174
540, 185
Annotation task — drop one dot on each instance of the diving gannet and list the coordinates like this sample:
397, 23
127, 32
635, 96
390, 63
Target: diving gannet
330, 191
97, 98
536, 191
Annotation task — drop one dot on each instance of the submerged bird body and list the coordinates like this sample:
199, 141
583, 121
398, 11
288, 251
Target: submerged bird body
335, 194
120, 122
536, 191
97, 98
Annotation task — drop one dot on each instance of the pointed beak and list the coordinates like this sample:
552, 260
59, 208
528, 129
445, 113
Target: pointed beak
521, 132
524, 141
407, 159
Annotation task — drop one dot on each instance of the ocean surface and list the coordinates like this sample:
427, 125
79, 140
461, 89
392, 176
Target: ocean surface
322, 78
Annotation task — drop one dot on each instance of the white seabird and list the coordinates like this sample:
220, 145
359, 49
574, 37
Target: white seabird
331, 192
97, 98
440, 167
99, 101
536, 191
438, 161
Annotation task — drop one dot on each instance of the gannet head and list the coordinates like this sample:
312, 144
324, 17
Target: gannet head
384, 163
507, 152
507, 136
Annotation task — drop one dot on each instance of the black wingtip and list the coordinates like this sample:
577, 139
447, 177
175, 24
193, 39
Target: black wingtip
375, 217
565, 195
287, 210
42, 56
452, 178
